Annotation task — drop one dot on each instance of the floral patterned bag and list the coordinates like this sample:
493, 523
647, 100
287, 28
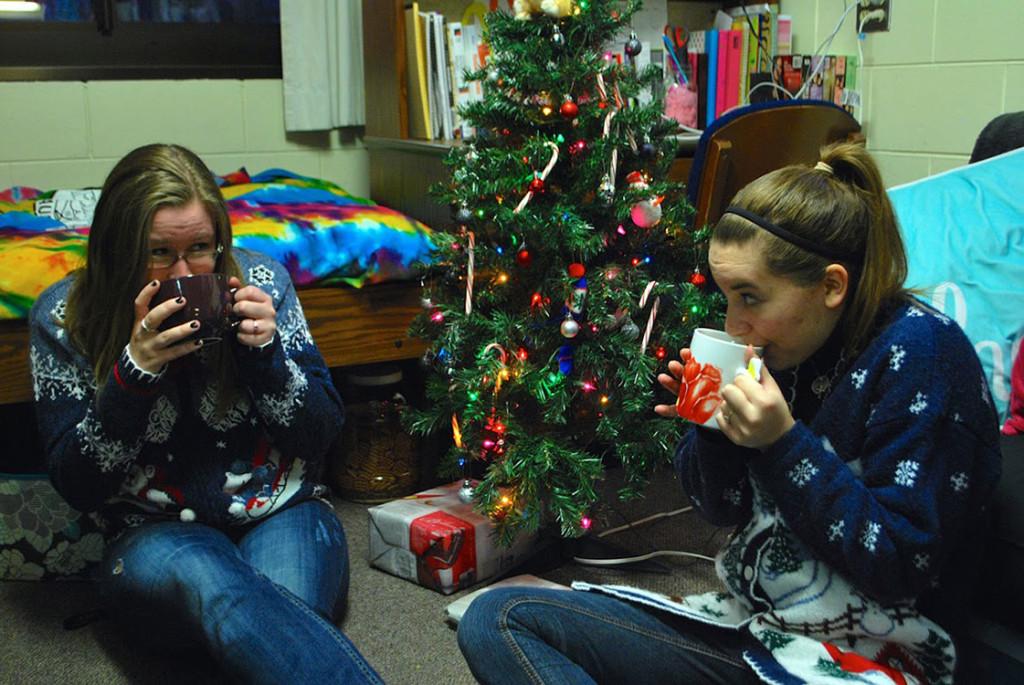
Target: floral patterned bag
41, 537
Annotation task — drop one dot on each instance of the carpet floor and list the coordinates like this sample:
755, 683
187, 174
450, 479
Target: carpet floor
398, 626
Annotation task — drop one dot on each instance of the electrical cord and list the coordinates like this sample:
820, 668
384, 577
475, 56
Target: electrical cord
642, 557
824, 47
769, 84
865, 18
646, 519
585, 561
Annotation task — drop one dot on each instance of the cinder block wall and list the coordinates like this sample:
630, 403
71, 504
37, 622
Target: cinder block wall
944, 70
70, 134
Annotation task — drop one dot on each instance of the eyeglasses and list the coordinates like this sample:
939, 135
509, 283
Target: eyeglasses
201, 254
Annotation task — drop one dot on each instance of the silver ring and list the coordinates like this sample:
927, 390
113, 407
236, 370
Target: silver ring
725, 414
145, 326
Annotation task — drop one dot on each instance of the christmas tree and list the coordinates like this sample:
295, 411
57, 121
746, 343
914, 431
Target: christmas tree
570, 275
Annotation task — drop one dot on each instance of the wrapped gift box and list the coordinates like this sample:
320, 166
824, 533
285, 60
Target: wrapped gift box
434, 539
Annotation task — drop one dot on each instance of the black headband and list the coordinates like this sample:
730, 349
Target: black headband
790, 237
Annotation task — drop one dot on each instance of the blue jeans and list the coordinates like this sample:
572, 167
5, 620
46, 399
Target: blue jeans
259, 602
531, 635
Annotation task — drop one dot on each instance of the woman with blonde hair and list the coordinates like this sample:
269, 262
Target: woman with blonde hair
854, 471
200, 459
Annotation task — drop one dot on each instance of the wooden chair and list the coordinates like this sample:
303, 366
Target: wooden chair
750, 141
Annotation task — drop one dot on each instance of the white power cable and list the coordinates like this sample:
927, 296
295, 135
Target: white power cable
824, 47
646, 519
769, 84
642, 557
878, 14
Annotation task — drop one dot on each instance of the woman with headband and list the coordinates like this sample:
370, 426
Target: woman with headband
855, 471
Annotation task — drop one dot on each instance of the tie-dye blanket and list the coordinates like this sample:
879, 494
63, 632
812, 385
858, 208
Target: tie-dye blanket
321, 233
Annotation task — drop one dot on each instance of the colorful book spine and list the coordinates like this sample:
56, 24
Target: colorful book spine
784, 40
416, 66
698, 60
711, 44
748, 56
828, 81
733, 69
721, 71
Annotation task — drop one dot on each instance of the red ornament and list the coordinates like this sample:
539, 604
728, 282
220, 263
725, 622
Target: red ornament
577, 147
577, 270
524, 258
537, 185
698, 279
569, 110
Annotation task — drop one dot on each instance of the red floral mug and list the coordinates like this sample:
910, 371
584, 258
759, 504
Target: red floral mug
713, 356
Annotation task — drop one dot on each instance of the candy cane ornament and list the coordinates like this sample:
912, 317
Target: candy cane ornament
503, 358
607, 189
469, 273
652, 316
544, 174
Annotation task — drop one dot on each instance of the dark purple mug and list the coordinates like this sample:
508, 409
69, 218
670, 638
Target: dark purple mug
208, 299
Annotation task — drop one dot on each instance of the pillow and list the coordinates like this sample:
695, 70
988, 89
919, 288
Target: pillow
964, 233
41, 537
319, 232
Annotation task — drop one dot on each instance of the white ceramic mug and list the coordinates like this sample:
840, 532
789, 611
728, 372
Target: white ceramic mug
715, 360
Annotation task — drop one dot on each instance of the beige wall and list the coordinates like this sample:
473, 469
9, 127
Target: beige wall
69, 134
930, 84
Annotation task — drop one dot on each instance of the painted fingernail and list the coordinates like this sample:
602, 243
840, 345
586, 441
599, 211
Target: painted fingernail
154, 284
194, 324
180, 300
199, 343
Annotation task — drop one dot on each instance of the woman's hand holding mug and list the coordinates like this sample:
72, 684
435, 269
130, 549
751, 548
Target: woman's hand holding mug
751, 410
754, 413
151, 348
256, 311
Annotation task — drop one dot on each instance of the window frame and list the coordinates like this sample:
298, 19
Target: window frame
80, 51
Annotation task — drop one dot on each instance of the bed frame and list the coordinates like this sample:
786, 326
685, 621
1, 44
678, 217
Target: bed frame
350, 326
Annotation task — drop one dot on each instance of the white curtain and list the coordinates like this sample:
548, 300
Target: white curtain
322, 62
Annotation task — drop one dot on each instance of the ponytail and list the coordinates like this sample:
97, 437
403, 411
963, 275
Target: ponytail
884, 263
841, 205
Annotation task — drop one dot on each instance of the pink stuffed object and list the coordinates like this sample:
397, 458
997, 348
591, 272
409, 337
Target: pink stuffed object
681, 105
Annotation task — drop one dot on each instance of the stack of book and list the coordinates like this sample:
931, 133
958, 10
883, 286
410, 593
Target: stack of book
439, 53
832, 77
752, 61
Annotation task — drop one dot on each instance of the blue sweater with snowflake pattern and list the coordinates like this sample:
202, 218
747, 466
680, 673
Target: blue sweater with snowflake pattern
156, 446
886, 482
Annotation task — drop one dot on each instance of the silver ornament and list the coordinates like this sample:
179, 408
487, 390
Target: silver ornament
466, 491
633, 45
569, 327
630, 329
